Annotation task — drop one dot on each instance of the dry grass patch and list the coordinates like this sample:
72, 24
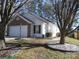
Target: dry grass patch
22, 41
72, 41
43, 53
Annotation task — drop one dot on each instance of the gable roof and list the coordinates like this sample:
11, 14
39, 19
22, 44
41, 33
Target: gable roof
21, 16
32, 17
17, 15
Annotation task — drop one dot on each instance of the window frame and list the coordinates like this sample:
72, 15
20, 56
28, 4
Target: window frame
37, 29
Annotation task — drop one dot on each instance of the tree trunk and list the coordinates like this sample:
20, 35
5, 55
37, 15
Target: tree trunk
62, 38
2, 38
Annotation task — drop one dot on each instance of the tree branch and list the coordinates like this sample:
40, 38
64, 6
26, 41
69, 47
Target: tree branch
73, 30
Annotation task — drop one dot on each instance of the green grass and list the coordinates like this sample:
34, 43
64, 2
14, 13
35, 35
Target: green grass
44, 53
72, 41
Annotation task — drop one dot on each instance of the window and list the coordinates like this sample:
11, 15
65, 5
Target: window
37, 28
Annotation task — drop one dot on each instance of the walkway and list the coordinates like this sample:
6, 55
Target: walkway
54, 44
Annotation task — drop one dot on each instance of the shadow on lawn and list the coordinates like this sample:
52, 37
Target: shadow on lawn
26, 46
4, 51
30, 46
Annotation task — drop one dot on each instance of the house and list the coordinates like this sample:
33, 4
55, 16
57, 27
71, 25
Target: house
28, 24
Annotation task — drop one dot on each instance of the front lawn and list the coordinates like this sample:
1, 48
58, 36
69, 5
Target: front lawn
30, 41
45, 53
42, 41
72, 41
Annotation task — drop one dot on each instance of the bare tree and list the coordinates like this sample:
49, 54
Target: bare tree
7, 9
64, 13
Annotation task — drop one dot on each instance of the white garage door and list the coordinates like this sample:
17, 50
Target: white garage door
24, 31
18, 31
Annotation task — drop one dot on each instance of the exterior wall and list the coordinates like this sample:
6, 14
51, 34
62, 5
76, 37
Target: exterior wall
43, 28
49, 27
19, 21
53, 29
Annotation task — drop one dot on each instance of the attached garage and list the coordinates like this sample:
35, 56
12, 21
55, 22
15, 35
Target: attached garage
18, 31
19, 28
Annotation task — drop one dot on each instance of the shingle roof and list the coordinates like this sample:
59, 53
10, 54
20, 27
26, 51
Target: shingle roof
32, 17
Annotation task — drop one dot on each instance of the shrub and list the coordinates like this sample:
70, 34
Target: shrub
48, 34
58, 34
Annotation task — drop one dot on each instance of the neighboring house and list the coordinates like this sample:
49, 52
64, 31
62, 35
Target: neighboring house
27, 24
